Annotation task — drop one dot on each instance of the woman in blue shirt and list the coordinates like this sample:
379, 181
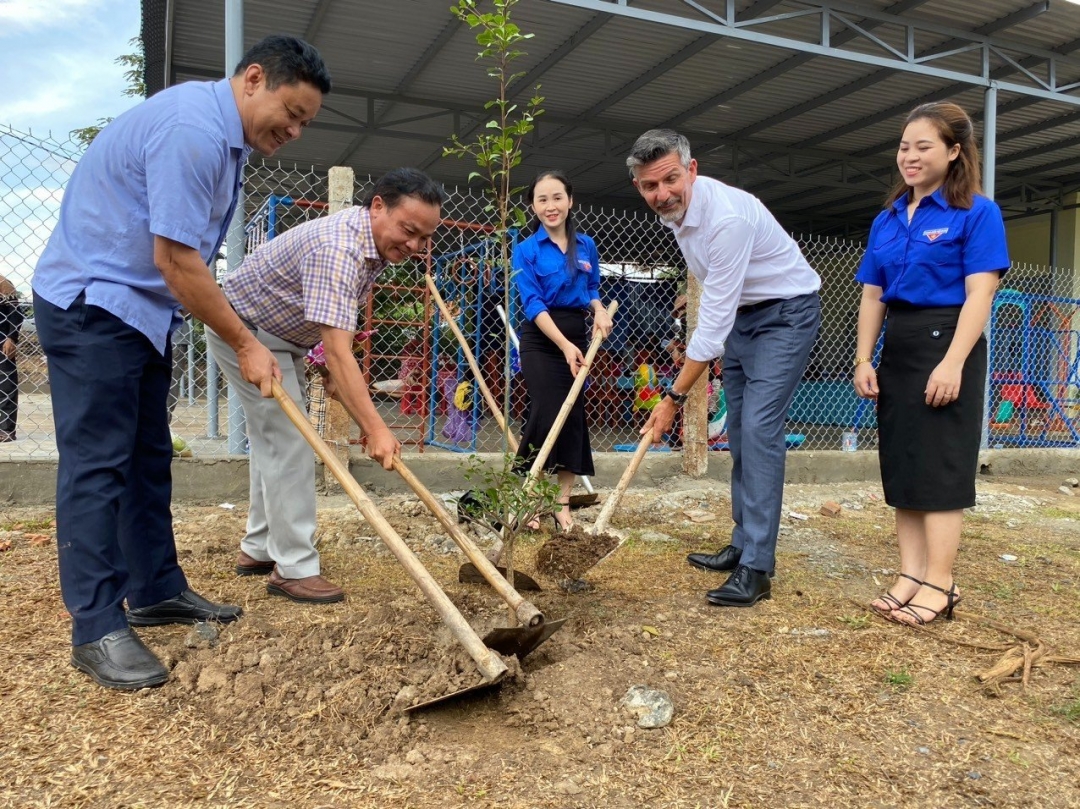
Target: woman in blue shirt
557, 276
932, 265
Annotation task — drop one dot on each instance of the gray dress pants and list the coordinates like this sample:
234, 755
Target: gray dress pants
281, 517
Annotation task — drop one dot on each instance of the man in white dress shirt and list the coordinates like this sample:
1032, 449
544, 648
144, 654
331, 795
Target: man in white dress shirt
760, 311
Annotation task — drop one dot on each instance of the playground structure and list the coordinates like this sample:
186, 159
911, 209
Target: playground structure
1033, 397
469, 279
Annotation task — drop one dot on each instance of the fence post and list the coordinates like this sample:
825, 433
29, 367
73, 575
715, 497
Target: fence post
696, 410
337, 419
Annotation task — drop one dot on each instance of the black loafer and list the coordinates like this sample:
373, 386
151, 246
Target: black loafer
187, 608
119, 660
726, 559
744, 588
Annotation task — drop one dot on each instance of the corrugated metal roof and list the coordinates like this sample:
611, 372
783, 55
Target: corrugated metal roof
791, 118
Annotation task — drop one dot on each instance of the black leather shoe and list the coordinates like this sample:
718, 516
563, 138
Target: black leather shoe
726, 559
744, 588
187, 608
119, 660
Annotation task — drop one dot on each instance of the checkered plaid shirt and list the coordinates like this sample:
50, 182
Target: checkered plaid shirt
315, 274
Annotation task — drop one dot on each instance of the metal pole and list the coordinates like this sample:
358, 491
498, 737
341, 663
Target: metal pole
189, 372
989, 166
234, 241
213, 429
990, 139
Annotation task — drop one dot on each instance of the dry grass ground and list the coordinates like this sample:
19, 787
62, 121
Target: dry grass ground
805, 700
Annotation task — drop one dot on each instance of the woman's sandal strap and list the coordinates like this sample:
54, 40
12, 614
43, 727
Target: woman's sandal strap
910, 608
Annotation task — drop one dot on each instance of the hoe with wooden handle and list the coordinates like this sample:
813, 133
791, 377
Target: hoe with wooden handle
489, 663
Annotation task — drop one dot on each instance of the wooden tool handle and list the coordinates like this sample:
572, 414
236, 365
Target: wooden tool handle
489, 663
528, 614
612, 502
496, 411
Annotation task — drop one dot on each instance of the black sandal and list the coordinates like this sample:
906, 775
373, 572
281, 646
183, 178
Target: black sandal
952, 599
888, 597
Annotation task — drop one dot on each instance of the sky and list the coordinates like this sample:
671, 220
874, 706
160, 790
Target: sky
58, 73
57, 62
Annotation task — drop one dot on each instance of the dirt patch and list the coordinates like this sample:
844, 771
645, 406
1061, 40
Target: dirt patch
805, 700
569, 555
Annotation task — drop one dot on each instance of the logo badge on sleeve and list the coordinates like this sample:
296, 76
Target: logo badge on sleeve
935, 234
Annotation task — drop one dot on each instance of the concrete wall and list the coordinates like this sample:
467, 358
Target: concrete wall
1029, 240
211, 481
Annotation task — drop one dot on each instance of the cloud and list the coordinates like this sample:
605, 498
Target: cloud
22, 16
67, 76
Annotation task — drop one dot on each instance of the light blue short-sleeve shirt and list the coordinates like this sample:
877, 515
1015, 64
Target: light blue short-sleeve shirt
171, 167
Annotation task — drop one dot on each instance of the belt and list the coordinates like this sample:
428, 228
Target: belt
754, 307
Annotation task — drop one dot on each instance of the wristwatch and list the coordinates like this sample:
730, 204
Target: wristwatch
678, 398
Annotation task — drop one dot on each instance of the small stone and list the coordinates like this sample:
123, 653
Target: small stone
1007, 557
415, 757
795, 515
653, 708
830, 509
923, 751
974, 776
1073, 482
1066, 490
201, 634
671, 675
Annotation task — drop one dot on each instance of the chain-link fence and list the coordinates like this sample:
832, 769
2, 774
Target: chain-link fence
423, 382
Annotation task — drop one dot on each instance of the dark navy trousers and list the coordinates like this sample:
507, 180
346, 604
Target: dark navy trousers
113, 521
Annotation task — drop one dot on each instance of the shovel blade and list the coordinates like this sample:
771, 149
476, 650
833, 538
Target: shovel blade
520, 641
583, 500
484, 686
468, 574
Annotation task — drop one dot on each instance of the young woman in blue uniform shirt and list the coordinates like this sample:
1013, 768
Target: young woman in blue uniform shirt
932, 265
557, 277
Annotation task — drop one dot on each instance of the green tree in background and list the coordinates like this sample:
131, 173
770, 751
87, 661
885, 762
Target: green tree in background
136, 88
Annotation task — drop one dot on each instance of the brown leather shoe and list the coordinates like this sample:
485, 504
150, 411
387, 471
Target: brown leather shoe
246, 566
310, 589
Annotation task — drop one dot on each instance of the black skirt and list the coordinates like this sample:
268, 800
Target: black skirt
548, 379
929, 456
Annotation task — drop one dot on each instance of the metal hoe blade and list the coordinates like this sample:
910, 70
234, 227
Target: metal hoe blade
469, 574
484, 686
520, 641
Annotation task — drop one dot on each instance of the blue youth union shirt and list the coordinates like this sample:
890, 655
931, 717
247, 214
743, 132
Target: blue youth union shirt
172, 167
544, 281
925, 263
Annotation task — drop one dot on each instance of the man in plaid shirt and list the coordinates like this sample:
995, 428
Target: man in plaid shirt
303, 287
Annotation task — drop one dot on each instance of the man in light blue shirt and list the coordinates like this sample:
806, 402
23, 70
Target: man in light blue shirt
144, 214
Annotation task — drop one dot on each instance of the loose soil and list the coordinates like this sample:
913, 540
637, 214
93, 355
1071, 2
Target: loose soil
569, 556
809, 699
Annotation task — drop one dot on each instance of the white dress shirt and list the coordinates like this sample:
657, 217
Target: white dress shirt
741, 255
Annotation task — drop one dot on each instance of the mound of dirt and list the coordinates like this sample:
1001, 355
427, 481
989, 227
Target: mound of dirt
570, 555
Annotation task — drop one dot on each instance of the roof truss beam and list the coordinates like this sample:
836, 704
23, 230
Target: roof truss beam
1047, 83
445, 35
